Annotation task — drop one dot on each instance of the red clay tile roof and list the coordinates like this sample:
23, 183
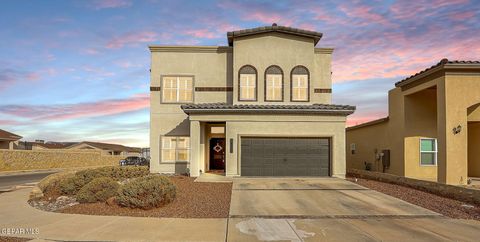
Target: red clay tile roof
441, 63
5, 135
274, 28
114, 147
53, 145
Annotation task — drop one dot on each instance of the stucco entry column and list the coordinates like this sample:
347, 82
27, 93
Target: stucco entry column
452, 146
195, 140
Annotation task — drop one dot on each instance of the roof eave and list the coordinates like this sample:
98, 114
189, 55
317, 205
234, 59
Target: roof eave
269, 111
231, 35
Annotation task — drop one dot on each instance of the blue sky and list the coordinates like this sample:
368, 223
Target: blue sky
78, 70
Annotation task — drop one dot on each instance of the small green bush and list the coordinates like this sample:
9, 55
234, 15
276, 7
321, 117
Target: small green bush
72, 185
98, 190
146, 192
50, 185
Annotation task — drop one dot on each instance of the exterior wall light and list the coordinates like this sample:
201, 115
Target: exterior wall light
457, 129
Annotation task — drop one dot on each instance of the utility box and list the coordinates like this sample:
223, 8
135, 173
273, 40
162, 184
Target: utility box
386, 159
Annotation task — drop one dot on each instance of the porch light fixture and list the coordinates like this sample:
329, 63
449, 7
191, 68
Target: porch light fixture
457, 129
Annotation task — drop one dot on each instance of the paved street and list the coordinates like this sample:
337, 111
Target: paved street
11, 180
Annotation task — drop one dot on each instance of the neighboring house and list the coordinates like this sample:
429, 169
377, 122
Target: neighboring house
8, 140
432, 131
108, 149
260, 106
38, 145
42, 145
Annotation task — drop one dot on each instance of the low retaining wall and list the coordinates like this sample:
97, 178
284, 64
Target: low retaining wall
18, 160
455, 192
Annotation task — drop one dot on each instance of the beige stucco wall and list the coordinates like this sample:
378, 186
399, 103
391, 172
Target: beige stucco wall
15, 160
420, 122
461, 92
285, 51
474, 149
412, 115
267, 126
413, 168
430, 107
218, 67
5, 144
210, 66
366, 141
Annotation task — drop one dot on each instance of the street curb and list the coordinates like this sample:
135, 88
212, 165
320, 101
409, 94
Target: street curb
12, 173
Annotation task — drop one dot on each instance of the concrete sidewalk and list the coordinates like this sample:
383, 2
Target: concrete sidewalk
15, 212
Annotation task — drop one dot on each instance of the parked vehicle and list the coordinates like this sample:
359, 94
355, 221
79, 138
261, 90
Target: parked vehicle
134, 161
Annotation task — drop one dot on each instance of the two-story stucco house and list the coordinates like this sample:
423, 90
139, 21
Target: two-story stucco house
260, 106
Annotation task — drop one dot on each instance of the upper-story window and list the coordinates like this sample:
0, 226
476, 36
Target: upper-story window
300, 79
273, 84
177, 89
247, 83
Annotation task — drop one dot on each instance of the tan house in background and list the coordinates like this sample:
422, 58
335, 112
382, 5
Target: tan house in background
432, 131
108, 149
260, 106
8, 140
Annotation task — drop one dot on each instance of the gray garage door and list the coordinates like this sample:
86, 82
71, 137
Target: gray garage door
285, 156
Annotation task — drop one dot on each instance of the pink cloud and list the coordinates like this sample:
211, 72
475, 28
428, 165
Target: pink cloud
102, 4
9, 77
126, 64
5, 122
366, 13
213, 29
91, 51
462, 15
256, 11
422, 8
267, 17
360, 118
398, 55
81, 110
202, 33
132, 38
98, 71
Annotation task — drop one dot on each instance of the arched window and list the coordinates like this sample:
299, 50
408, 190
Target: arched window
274, 84
247, 76
300, 84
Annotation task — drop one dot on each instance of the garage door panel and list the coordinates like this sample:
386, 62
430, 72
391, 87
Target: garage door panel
285, 156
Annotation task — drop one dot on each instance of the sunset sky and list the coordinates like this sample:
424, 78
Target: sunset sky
78, 70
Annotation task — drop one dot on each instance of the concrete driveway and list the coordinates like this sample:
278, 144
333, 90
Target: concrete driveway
330, 209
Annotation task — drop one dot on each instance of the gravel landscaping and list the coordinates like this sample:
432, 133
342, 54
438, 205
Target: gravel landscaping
449, 207
193, 200
13, 239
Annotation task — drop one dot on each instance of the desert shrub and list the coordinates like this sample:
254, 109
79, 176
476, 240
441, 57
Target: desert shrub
146, 192
115, 172
98, 190
50, 185
72, 185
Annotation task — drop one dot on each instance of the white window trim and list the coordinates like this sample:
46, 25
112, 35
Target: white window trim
273, 87
176, 149
177, 89
254, 86
434, 152
298, 87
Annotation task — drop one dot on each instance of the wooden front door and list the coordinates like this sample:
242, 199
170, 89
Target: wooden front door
217, 154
